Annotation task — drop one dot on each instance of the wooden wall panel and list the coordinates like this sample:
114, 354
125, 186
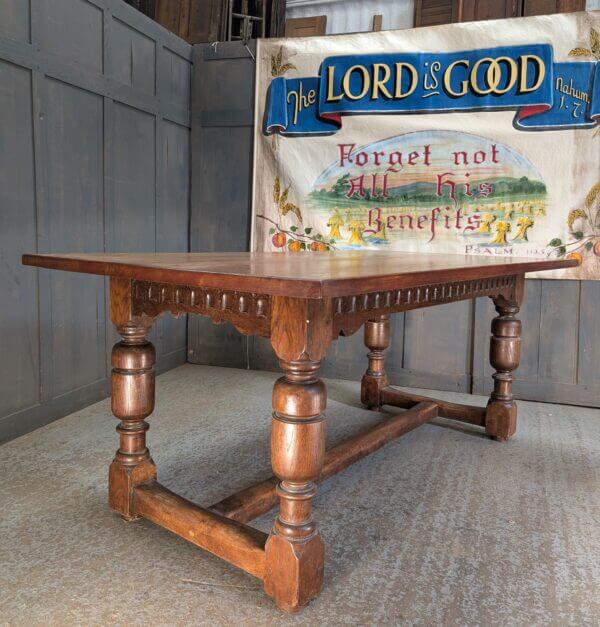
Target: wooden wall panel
437, 347
207, 21
529, 315
133, 222
559, 322
561, 343
306, 26
195, 21
19, 367
15, 19
91, 159
174, 77
474, 10
434, 12
222, 223
72, 218
72, 30
588, 367
172, 220
222, 84
345, 358
132, 57
222, 136
546, 7
174, 15
539, 7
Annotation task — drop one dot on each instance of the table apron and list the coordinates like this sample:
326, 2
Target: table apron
251, 313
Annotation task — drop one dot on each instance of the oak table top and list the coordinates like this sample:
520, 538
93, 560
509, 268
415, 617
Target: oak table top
301, 275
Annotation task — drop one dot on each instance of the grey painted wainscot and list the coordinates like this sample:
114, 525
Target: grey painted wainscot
94, 155
443, 347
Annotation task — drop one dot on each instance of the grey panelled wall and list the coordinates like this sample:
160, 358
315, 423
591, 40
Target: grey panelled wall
222, 119
94, 155
561, 343
443, 347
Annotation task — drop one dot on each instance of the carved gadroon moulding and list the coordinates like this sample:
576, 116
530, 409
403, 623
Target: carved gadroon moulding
350, 312
248, 313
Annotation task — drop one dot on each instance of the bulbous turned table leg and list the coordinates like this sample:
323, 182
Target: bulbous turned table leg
132, 399
505, 353
377, 339
294, 550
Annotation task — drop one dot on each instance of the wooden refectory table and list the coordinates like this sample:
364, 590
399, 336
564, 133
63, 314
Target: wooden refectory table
302, 302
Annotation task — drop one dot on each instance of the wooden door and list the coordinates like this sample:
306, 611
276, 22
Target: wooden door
475, 10
306, 26
434, 12
173, 15
196, 21
539, 7
546, 7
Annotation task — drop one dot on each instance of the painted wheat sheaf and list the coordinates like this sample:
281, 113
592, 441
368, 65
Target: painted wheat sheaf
583, 225
297, 237
593, 50
279, 68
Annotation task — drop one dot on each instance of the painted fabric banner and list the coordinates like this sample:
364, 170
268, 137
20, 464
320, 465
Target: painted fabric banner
480, 138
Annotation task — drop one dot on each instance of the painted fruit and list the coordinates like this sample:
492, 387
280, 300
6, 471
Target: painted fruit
314, 246
597, 249
577, 256
279, 240
294, 246
322, 247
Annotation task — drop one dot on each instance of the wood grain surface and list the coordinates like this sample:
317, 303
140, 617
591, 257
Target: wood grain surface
314, 275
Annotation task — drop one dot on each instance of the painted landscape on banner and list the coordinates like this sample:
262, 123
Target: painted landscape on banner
479, 138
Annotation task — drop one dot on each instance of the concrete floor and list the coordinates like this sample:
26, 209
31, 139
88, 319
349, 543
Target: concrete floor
441, 527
